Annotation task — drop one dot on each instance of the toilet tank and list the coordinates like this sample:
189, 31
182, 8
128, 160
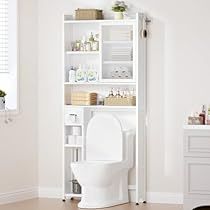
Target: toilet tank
104, 139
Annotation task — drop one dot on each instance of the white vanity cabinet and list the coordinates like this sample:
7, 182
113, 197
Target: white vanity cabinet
196, 166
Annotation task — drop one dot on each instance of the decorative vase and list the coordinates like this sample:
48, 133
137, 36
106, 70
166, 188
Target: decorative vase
2, 103
118, 15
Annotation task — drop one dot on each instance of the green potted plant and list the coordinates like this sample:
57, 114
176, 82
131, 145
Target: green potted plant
2, 99
118, 8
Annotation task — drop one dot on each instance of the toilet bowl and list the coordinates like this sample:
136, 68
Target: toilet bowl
109, 156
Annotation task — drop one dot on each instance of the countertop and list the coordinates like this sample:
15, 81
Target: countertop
196, 127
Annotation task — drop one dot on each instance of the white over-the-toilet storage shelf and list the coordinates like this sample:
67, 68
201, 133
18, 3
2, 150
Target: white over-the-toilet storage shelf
120, 63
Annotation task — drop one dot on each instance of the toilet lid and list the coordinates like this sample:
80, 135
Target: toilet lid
104, 138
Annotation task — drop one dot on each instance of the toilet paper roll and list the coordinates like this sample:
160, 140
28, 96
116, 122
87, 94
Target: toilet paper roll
79, 140
71, 140
76, 131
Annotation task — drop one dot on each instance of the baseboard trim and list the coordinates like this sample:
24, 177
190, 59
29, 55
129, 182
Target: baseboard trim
152, 197
165, 197
30, 193
44, 192
18, 195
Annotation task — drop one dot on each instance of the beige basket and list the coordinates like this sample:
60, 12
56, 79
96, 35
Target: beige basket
128, 101
88, 14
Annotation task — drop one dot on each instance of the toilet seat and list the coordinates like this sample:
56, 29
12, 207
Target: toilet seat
106, 164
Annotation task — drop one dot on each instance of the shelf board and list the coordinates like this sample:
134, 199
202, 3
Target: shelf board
82, 52
74, 124
117, 42
124, 21
73, 146
118, 62
100, 83
73, 195
104, 107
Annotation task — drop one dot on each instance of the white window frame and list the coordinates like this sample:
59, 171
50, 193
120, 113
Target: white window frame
13, 67
13, 37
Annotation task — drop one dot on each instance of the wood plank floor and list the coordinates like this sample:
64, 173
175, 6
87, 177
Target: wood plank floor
56, 204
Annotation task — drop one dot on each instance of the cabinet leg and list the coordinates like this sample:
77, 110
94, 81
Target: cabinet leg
64, 200
137, 204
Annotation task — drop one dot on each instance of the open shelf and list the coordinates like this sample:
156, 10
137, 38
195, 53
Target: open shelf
124, 21
104, 107
117, 42
73, 146
118, 62
74, 124
82, 52
101, 83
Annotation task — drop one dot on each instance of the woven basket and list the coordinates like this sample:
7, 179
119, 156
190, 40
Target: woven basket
129, 101
88, 14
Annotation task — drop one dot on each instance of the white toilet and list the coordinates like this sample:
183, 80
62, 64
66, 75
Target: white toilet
109, 156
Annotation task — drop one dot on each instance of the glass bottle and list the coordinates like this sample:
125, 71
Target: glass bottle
111, 94
91, 40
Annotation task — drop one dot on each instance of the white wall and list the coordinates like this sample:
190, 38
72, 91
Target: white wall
18, 150
178, 77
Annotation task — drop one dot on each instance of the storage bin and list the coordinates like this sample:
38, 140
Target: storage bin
88, 14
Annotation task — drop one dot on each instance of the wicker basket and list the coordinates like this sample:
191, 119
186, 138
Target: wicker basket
112, 101
88, 14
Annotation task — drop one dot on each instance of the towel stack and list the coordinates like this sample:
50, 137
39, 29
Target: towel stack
121, 54
121, 34
83, 98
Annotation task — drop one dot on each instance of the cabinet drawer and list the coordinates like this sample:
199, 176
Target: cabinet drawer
197, 145
197, 177
74, 115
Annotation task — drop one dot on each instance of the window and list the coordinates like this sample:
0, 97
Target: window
9, 51
4, 35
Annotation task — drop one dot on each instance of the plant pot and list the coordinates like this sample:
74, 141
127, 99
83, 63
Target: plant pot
2, 103
118, 15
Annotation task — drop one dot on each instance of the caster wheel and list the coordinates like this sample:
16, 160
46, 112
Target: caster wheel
64, 200
144, 202
137, 204
72, 199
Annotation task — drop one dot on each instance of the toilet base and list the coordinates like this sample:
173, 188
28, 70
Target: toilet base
83, 205
111, 194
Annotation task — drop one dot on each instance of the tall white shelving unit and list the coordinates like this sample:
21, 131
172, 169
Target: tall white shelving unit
76, 117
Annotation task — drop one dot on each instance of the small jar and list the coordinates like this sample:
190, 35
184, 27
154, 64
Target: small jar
78, 45
95, 46
88, 46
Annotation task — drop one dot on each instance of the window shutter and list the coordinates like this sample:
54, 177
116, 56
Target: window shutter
4, 35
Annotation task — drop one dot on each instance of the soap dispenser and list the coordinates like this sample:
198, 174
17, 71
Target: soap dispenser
81, 74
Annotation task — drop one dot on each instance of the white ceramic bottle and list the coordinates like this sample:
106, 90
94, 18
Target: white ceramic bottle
72, 75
